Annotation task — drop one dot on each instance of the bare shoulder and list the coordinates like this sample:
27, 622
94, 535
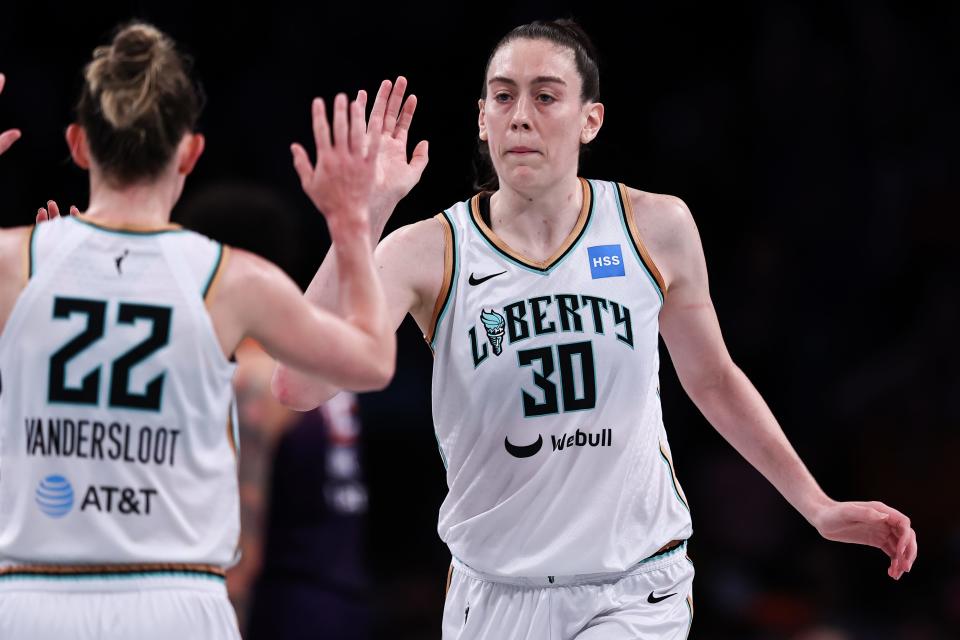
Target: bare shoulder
13, 254
667, 229
411, 262
246, 271
663, 217
14, 266
425, 235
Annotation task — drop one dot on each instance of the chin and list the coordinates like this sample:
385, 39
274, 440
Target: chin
524, 177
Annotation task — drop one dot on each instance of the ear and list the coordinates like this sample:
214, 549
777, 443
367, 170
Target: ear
77, 142
593, 122
480, 120
191, 148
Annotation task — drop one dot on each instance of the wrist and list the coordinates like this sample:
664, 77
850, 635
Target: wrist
354, 227
815, 508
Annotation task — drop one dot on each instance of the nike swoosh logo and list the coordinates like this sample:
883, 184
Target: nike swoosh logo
475, 280
652, 599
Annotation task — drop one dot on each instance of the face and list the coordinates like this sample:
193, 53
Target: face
533, 118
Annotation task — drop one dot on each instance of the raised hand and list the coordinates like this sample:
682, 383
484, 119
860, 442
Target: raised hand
52, 211
9, 136
342, 180
874, 524
396, 175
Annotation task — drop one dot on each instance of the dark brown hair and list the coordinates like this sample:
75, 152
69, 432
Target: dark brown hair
565, 33
137, 102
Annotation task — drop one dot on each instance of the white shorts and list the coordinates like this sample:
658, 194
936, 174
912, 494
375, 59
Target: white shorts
125, 608
653, 600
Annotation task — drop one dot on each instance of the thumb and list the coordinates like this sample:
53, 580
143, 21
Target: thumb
301, 163
420, 157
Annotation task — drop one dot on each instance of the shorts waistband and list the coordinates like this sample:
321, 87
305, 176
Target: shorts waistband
672, 552
113, 577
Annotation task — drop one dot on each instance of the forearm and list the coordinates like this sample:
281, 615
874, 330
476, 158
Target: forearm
324, 289
736, 410
297, 389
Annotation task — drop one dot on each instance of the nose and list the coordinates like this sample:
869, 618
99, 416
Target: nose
521, 114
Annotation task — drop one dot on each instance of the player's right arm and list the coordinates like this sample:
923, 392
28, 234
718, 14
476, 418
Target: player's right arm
410, 264
257, 300
409, 261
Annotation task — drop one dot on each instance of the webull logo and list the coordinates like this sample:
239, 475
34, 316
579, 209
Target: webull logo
582, 439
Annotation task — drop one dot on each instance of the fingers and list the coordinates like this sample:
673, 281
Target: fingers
358, 128
911, 554
902, 562
53, 209
341, 128
41, 215
7, 138
301, 164
3, 81
393, 106
406, 117
74, 211
321, 129
379, 107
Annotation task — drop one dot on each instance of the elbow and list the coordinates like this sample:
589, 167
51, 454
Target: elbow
283, 390
379, 368
709, 381
382, 368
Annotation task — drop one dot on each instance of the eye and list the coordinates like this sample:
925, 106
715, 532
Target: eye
501, 97
545, 98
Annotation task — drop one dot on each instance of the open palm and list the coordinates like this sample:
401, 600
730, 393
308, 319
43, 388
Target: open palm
396, 175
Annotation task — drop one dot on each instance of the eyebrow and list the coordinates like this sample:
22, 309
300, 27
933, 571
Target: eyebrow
537, 80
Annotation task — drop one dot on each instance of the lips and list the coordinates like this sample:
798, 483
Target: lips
522, 150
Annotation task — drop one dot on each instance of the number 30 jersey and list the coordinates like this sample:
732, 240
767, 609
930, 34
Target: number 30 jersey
116, 416
546, 397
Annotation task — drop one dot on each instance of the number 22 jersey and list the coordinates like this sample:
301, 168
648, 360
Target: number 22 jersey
546, 397
116, 416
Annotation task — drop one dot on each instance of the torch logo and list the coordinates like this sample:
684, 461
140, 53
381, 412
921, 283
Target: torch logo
494, 323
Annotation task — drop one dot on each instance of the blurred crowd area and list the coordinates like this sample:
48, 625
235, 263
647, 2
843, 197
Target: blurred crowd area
814, 143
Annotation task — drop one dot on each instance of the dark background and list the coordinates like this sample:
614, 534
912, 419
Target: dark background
816, 144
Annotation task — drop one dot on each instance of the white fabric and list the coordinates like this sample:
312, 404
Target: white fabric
606, 498
78, 477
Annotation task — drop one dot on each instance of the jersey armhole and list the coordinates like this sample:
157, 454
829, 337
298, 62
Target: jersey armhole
449, 276
28, 255
640, 250
216, 273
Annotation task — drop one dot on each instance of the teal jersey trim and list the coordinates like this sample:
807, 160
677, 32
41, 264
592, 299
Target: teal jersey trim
636, 251
455, 273
213, 272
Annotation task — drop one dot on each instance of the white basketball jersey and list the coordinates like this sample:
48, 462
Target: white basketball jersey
116, 427
546, 398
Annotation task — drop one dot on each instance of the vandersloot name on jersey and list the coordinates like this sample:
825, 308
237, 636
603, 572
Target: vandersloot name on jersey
98, 440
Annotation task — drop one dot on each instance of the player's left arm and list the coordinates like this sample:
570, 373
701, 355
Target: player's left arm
730, 402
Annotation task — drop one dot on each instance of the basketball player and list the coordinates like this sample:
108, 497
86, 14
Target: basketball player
118, 505
542, 299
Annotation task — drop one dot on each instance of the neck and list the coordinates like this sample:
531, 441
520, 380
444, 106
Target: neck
145, 204
545, 215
